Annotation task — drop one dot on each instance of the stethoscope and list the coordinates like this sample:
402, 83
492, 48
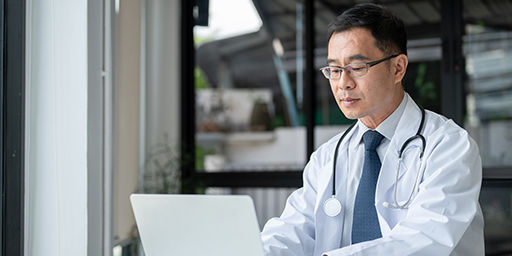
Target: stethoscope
332, 206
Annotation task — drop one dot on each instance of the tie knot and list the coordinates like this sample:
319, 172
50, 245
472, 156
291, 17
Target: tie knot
372, 139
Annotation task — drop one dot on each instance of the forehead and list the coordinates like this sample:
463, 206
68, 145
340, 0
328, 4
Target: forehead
355, 41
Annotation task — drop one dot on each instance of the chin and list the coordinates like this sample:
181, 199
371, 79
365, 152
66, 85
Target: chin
354, 112
350, 114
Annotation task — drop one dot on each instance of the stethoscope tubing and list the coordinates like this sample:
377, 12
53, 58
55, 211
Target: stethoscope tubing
336, 157
402, 149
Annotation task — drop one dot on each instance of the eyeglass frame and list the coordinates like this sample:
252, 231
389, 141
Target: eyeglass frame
368, 66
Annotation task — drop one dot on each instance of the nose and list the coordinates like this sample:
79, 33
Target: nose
345, 82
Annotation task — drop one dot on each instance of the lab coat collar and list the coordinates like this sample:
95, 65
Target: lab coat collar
406, 128
325, 183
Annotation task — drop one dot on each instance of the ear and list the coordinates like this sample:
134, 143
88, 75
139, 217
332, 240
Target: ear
401, 62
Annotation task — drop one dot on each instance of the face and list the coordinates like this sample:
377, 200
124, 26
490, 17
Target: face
374, 96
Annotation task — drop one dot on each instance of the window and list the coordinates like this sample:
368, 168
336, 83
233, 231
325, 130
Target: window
488, 54
249, 87
487, 46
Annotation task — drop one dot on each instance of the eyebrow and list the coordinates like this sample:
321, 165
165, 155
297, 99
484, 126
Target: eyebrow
358, 57
351, 58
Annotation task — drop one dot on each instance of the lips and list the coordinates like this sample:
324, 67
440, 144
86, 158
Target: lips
348, 101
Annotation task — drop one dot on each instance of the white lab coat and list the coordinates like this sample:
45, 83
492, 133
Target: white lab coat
443, 218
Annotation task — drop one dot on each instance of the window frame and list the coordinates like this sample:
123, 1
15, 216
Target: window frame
12, 85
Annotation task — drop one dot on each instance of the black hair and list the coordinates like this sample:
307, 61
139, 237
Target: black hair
387, 29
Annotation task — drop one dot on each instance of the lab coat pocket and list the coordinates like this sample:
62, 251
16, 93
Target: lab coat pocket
394, 215
409, 175
405, 187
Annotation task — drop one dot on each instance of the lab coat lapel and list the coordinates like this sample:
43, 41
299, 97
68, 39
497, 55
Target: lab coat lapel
407, 127
329, 229
325, 181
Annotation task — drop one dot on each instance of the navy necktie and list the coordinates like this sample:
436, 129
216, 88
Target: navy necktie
365, 224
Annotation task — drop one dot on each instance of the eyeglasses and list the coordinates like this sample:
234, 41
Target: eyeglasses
353, 70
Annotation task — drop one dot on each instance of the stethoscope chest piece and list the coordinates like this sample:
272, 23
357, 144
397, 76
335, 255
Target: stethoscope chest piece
332, 207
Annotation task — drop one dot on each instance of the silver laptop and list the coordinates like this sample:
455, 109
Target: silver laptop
198, 225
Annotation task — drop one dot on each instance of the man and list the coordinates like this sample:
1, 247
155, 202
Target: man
425, 203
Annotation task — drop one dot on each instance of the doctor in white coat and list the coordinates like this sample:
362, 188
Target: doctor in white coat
417, 205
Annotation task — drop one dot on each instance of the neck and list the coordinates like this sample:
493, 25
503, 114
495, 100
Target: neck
372, 121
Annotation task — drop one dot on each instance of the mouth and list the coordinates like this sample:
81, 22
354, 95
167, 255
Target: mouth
349, 101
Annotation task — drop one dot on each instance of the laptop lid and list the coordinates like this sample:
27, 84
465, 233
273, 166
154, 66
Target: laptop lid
197, 225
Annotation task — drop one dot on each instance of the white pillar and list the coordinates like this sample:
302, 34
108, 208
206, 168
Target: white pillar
56, 128
162, 71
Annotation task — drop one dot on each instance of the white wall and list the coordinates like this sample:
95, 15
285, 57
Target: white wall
56, 128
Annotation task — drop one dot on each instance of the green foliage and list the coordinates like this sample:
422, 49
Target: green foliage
200, 154
278, 121
200, 79
200, 40
426, 89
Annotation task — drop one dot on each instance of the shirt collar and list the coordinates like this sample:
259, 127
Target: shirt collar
388, 127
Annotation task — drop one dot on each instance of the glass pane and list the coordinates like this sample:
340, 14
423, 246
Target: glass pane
422, 80
488, 52
269, 202
496, 202
249, 87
